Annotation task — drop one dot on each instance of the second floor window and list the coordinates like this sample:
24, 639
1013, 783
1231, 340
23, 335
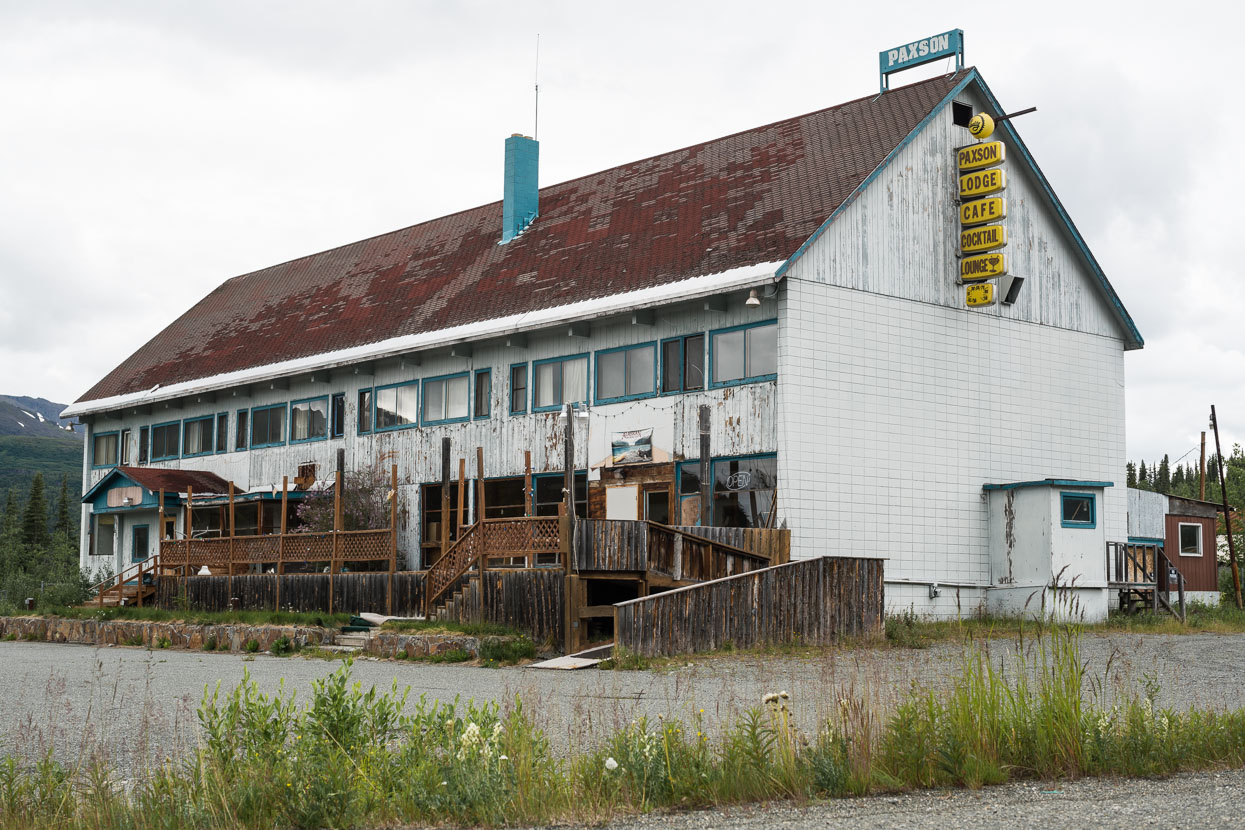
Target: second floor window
198, 438
309, 420
268, 426
165, 441
560, 381
626, 373
446, 399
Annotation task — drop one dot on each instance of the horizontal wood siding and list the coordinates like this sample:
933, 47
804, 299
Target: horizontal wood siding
814, 601
1201, 573
351, 593
772, 543
529, 600
611, 545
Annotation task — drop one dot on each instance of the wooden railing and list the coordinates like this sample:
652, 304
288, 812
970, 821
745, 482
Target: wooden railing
523, 538
1143, 568
277, 549
677, 553
149, 567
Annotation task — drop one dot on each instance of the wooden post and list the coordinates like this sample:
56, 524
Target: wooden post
393, 534
571, 618
159, 520
445, 496
1227, 510
337, 526
462, 497
285, 489
480, 508
231, 535
568, 485
527, 483
1201, 471
190, 494
706, 470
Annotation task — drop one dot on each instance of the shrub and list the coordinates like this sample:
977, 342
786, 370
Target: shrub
209, 644
252, 646
282, 647
506, 652
163, 642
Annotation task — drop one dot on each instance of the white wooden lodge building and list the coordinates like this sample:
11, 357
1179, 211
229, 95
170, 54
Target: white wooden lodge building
801, 279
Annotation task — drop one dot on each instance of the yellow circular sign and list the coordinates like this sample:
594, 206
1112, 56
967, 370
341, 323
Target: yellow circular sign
982, 125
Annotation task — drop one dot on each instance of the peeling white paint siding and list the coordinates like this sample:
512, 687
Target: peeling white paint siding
1147, 514
896, 403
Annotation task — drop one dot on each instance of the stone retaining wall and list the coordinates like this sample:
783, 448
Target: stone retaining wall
229, 637
389, 645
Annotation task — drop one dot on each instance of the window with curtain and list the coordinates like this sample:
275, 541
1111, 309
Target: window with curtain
104, 451
560, 381
446, 399
397, 406
198, 437
309, 420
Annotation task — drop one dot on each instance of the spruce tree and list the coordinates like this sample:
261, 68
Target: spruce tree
35, 518
1163, 478
11, 513
1178, 479
1143, 476
1132, 474
62, 528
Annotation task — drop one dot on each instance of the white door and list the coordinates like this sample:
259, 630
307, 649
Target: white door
622, 502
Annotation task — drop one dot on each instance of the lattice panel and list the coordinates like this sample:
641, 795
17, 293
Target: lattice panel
308, 547
362, 547
256, 548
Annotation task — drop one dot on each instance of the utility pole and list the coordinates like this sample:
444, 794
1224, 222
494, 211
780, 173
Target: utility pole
1201, 471
1227, 510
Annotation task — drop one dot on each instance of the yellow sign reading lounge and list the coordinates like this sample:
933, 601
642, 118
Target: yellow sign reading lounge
978, 211
982, 267
985, 238
977, 156
979, 294
982, 182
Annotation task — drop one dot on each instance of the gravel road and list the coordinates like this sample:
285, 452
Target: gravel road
135, 704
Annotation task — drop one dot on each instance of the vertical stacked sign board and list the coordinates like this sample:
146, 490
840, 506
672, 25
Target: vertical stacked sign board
982, 212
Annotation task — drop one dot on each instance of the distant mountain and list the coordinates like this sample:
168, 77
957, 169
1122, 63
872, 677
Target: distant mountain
36, 417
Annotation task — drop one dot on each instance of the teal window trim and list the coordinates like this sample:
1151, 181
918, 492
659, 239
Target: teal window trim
337, 428
488, 395
240, 445
710, 383
371, 410
531, 381
661, 370
376, 390
327, 415
94, 464
442, 379
144, 444
596, 373
222, 446
133, 542
212, 431
1093, 510
285, 425
178, 431
713, 460
527, 388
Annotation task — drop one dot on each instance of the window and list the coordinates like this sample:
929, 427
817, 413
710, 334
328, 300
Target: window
197, 439
559, 381
683, 364
446, 399
142, 543
309, 420
240, 429
483, 391
548, 495
518, 389
268, 426
166, 441
1190, 539
626, 373
744, 353
143, 432
397, 406
365, 411
742, 492
105, 528
1077, 510
222, 431
104, 451
125, 447
337, 415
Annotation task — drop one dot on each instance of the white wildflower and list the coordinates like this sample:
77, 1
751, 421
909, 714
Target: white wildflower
611, 764
503, 757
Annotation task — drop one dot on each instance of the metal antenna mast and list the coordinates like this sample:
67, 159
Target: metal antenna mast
536, 125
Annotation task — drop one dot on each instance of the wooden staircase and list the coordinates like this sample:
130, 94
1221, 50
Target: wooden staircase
1139, 573
134, 585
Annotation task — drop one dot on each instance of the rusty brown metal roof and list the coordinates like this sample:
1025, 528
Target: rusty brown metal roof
176, 481
745, 199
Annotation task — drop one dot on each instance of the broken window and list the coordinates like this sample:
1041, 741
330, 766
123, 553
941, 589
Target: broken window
309, 420
397, 406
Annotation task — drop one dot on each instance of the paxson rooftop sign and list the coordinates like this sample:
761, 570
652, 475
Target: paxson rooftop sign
921, 51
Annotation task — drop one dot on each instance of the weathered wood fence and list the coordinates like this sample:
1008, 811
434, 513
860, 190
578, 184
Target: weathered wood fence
351, 593
530, 600
814, 601
677, 553
772, 543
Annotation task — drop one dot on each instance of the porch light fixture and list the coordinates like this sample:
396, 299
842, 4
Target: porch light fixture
753, 300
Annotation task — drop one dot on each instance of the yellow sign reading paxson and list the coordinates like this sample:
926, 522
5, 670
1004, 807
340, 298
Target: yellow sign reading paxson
983, 210
985, 238
982, 267
977, 156
979, 294
982, 182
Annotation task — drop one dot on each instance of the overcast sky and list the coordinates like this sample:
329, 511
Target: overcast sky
151, 150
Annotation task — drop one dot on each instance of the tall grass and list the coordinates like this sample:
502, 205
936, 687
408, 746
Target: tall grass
352, 758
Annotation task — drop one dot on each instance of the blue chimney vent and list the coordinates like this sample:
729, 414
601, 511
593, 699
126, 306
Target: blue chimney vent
520, 203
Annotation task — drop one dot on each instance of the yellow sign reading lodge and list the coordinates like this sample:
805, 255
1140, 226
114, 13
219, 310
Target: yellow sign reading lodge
979, 294
985, 238
983, 210
977, 156
982, 182
982, 267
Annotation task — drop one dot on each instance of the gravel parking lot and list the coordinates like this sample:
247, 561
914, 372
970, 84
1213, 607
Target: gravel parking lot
135, 704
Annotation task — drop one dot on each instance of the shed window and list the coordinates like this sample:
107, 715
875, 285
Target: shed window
1190, 539
309, 420
104, 451
198, 438
518, 389
626, 373
483, 391
446, 399
365, 411
268, 426
1077, 510
560, 381
397, 406
683, 364
165, 441
744, 354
